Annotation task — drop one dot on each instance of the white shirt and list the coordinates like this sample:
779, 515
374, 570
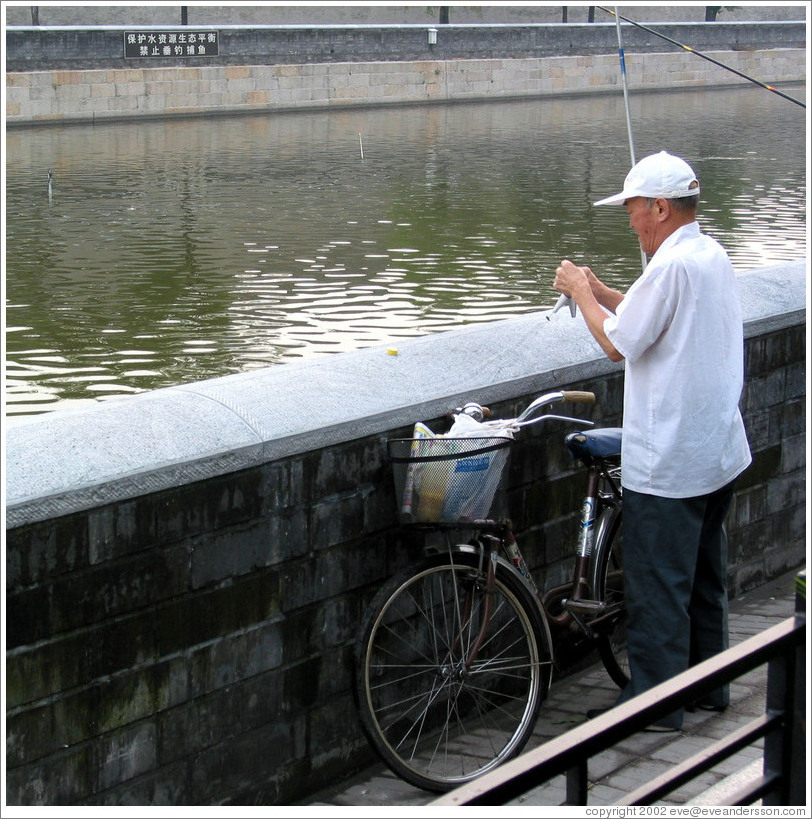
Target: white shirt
679, 328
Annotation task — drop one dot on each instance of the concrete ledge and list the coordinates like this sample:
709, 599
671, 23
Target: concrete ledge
66, 461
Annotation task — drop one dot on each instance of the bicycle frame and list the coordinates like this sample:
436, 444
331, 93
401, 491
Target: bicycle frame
598, 512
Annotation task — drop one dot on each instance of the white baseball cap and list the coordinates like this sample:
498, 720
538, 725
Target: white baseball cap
655, 176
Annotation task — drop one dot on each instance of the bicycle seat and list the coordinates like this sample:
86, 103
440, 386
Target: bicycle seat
595, 443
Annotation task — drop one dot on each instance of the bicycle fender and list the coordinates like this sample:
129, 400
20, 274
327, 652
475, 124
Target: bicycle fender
506, 566
503, 565
607, 522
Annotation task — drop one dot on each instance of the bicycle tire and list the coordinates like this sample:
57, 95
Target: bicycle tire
609, 589
435, 723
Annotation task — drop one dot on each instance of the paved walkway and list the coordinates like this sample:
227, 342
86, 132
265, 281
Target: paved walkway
642, 756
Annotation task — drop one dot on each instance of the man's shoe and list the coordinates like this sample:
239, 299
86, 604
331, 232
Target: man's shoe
698, 706
660, 729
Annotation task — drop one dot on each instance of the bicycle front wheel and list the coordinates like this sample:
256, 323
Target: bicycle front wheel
609, 589
439, 710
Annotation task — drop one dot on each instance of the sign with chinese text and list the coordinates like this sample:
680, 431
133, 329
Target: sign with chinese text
158, 44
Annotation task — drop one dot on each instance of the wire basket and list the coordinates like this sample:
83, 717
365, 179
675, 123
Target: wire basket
449, 480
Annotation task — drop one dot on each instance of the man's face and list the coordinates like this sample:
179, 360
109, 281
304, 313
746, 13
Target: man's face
645, 220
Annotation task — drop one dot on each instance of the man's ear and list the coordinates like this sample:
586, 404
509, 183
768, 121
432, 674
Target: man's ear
662, 209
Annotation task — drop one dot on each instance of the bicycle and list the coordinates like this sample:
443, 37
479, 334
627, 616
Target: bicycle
456, 653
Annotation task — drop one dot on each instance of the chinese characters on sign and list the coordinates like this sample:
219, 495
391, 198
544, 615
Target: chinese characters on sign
159, 44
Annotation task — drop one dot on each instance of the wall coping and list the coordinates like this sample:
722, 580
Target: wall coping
69, 460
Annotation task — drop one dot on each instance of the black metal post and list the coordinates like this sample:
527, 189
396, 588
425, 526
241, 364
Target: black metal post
785, 750
796, 788
578, 784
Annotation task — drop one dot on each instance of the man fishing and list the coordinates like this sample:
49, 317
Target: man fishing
679, 330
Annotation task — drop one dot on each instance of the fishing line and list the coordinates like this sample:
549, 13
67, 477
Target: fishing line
704, 57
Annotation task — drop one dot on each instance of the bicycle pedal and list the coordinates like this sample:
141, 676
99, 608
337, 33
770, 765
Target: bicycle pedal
585, 607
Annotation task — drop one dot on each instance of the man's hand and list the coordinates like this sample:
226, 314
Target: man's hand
582, 285
568, 277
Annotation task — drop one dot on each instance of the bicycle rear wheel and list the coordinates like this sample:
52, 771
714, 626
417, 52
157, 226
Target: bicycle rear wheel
437, 714
609, 588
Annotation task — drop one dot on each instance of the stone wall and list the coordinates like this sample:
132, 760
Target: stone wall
61, 97
186, 569
57, 76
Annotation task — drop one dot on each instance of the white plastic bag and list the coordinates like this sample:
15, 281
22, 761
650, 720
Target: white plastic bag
474, 478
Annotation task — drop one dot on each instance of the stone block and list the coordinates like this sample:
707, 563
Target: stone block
67, 778
247, 762
125, 754
235, 658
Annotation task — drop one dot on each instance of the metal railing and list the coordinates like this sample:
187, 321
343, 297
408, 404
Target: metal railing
783, 781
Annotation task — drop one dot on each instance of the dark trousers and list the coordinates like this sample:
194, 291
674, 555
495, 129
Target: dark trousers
675, 576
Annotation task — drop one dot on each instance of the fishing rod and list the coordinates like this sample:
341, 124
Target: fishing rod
643, 259
705, 57
568, 300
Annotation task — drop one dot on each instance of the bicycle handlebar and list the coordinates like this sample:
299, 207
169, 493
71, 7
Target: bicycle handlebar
572, 396
579, 396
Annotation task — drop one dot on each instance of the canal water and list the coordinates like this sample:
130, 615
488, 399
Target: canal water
167, 252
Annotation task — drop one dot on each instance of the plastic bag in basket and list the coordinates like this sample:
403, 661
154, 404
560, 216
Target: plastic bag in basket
474, 477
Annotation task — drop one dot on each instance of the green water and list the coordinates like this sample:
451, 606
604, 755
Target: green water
173, 251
